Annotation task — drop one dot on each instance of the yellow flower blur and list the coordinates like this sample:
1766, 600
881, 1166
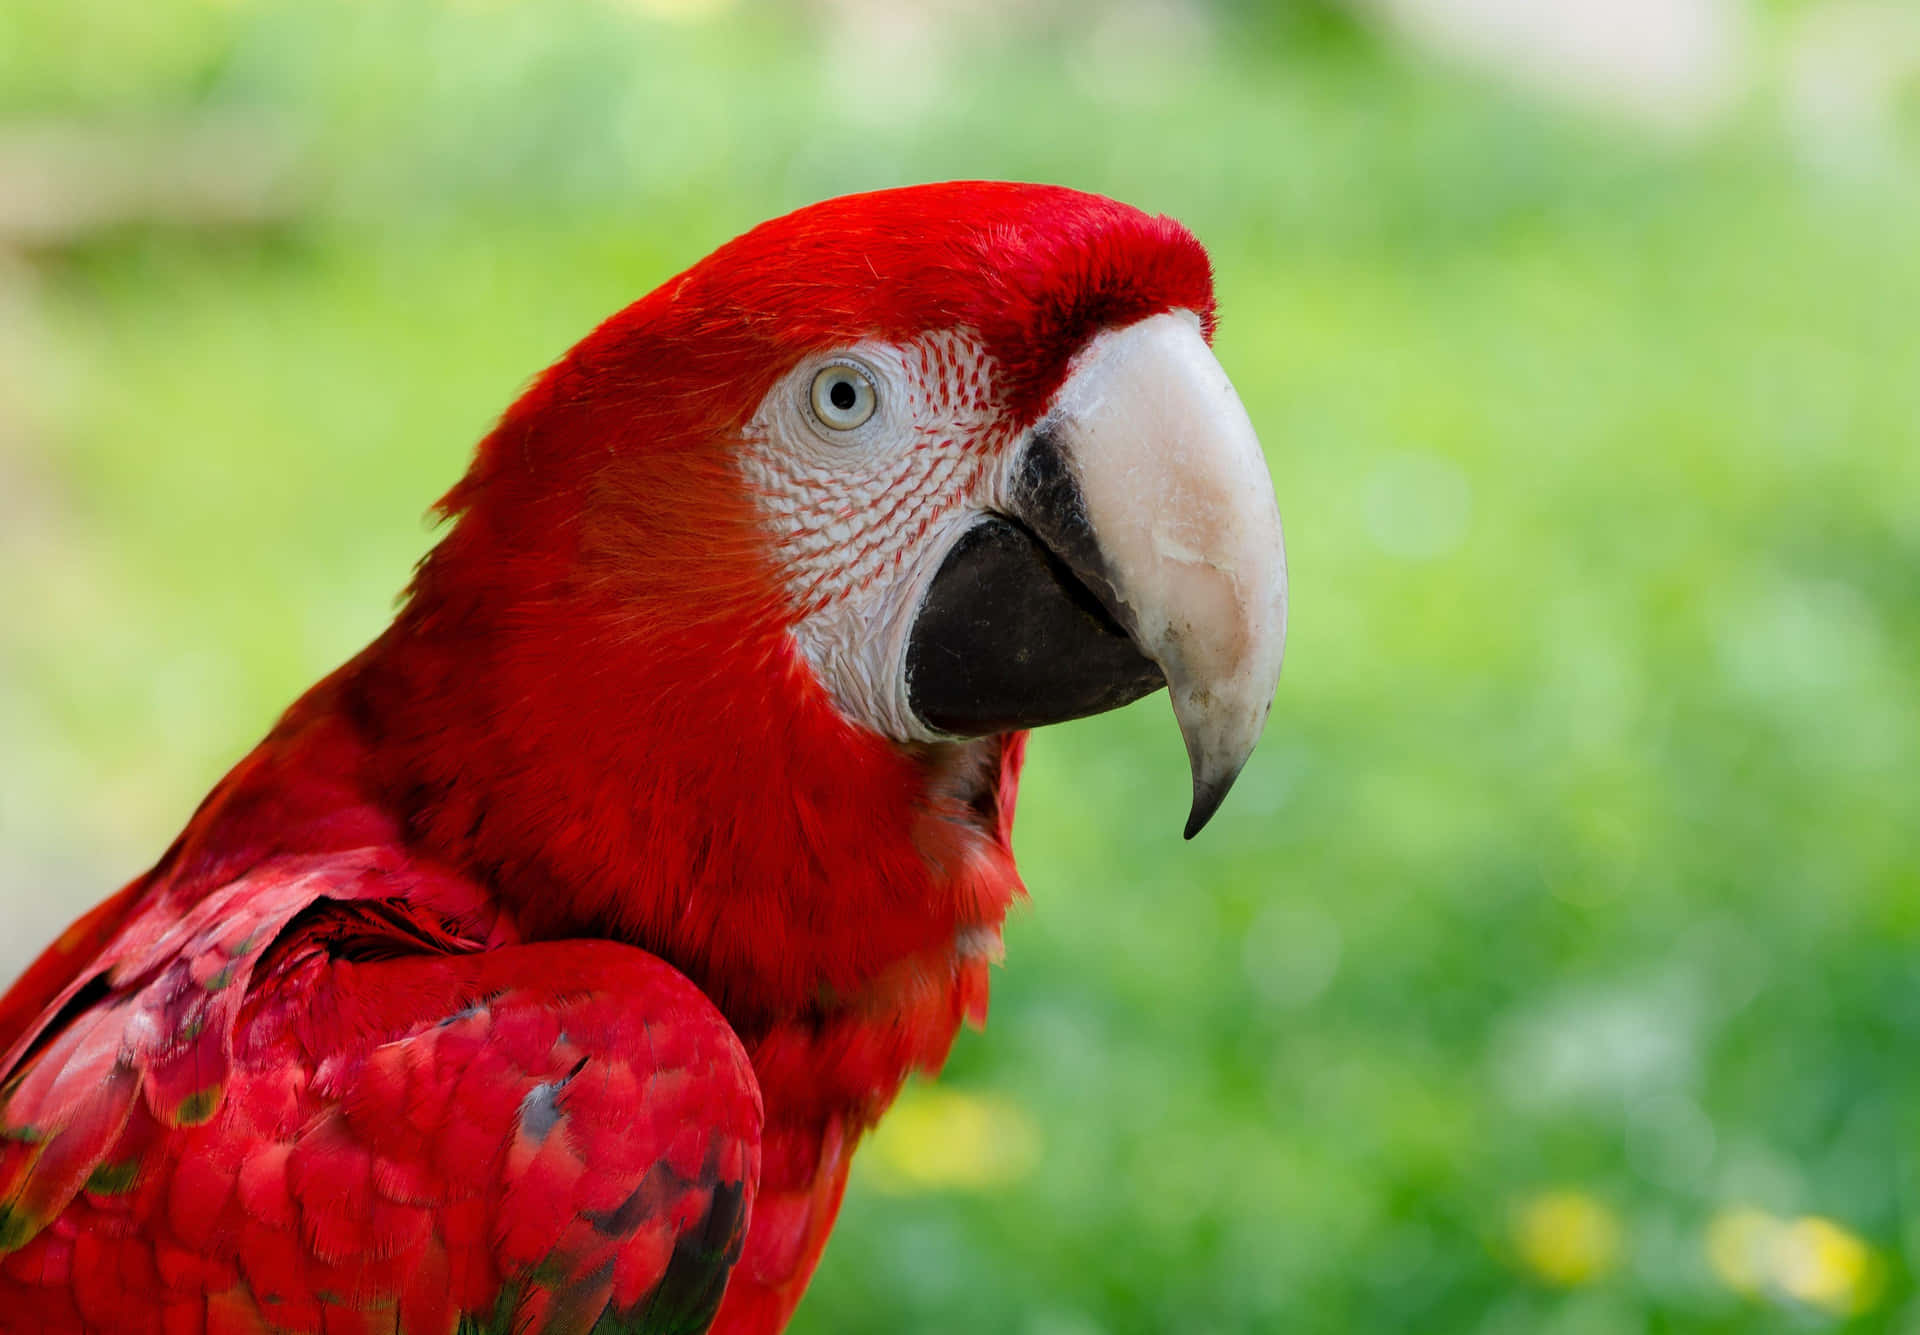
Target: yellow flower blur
943, 1139
1567, 1237
1812, 1260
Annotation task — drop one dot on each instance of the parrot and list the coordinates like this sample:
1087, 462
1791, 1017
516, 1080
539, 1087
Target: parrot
543, 967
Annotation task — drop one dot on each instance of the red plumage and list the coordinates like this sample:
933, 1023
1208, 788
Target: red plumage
571, 926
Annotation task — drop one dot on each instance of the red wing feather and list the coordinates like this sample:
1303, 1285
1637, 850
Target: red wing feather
286, 1112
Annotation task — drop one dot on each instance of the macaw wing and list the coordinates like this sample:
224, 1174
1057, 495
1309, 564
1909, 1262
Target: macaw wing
296, 1108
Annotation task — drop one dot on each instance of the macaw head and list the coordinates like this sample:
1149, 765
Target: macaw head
751, 597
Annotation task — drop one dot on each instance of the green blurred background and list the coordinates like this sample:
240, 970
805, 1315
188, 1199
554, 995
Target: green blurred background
1555, 966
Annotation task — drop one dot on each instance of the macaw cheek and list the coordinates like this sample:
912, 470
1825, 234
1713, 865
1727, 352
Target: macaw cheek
1138, 546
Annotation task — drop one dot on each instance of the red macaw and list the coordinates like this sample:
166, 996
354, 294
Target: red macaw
543, 966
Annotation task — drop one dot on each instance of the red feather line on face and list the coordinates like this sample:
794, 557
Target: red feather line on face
279, 1061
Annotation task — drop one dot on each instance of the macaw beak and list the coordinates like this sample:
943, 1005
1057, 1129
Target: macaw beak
1135, 543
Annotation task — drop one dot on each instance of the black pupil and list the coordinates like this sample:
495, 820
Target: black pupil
842, 395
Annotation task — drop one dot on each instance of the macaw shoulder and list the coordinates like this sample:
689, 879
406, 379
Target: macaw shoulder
324, 1093
184, 956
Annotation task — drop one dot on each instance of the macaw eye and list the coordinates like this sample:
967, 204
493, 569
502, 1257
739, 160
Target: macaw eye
842, 397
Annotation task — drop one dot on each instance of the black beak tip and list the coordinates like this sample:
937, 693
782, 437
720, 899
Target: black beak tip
1208, 794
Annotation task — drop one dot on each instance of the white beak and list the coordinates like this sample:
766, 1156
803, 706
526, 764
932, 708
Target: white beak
1180, 536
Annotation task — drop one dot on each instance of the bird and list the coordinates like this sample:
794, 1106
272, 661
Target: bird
544, 965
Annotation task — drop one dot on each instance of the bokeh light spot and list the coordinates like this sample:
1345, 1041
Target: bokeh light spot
1567, 1237
945, 1139
1812, 1260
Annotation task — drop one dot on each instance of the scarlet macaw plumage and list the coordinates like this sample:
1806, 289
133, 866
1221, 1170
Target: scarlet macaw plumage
543, 966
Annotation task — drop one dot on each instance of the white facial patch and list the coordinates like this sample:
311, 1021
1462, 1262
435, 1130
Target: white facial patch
863, 517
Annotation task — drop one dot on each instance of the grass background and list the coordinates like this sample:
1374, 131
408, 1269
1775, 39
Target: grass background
1556, 964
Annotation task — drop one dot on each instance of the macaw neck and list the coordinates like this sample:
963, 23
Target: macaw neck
698, 796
